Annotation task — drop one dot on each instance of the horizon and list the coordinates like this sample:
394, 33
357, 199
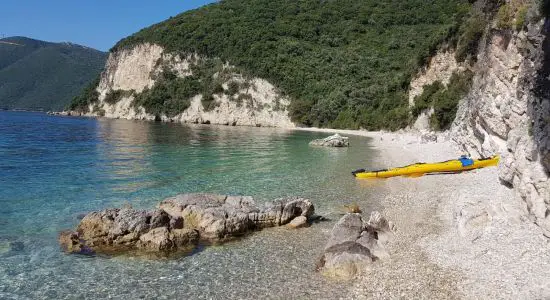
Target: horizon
66, 20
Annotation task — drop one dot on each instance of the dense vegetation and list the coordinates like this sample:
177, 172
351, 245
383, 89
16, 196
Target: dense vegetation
86, 97
344, 63
443, 99
38, 75
171, 94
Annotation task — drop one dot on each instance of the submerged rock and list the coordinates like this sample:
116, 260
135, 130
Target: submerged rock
179, 222
331, 141
298, 222
354, 245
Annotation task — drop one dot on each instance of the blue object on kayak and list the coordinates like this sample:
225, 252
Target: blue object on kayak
466, 161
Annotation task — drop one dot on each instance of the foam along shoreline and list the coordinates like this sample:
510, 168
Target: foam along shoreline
458, 236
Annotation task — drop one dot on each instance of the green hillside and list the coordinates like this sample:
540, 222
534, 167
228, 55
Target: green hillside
344, 63
38, 75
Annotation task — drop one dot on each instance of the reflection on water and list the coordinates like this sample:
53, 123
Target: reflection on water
55, 168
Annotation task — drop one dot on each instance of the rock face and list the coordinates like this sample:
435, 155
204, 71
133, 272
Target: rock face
179, 223
354, 245
440, 68
332, 141
133, 70
508, 111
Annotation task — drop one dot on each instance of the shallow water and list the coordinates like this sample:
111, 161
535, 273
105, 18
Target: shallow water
54, 168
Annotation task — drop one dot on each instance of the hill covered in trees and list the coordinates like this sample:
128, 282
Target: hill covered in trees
38, 75
343, 63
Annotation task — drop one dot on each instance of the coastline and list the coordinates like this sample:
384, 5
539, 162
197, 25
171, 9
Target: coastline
459, 236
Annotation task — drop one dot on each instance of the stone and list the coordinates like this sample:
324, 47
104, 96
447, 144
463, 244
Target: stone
71, 242
180, 222
217, 217
160, 218
428, 137
354, 245
157, 239
184, 238
298, 222
331, 141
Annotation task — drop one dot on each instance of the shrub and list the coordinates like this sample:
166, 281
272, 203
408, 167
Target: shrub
243, 98
521, 17
444, 100
113, 96
209, 102
470, 35
505, 16
233, 88
88, 96
425, 100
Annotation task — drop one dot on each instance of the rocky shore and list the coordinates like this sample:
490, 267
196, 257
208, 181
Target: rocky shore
460, 236
180, 223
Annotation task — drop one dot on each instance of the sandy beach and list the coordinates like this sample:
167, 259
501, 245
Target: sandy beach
460, 236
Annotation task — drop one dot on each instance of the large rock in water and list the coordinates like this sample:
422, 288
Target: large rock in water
354, 245
331, 141
217, 217
179, 223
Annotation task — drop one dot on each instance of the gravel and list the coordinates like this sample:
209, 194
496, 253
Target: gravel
460, 236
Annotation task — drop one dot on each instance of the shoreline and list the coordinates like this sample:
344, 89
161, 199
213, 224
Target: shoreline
459, 236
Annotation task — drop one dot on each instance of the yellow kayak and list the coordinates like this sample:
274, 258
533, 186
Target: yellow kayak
420, 169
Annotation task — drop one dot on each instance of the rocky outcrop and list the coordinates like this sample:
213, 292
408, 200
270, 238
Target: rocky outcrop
130, 71
508, 111
354, 245
331, 141
440, 68
180, 223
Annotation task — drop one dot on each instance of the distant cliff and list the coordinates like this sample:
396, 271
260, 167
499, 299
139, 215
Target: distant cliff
38, 75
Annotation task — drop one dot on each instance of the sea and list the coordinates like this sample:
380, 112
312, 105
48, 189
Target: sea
54, 169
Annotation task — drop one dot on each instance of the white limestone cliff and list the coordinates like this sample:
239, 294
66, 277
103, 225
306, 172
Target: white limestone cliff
133, 70
507, 112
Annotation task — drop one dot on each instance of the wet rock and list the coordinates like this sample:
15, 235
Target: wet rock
331, 141
17, 246
71, 242
298, 222
157, 239
354, 245
179, 222
160, 218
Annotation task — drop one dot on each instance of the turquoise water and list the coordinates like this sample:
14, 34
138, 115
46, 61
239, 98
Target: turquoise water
52, 169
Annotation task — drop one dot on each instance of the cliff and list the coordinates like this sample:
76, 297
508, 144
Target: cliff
130, 73
508, 111
507, 107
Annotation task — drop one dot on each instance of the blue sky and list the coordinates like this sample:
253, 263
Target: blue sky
94, 23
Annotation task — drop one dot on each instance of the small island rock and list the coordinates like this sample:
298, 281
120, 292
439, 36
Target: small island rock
331, 141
